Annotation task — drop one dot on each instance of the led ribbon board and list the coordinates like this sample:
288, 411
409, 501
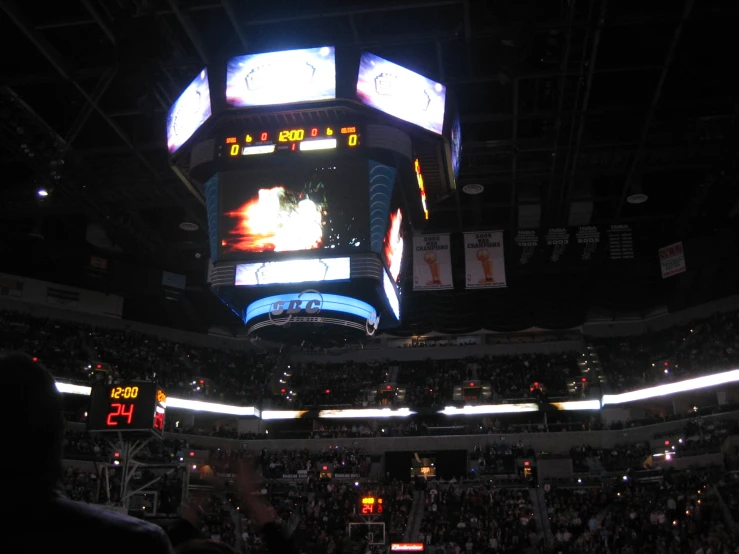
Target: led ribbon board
309, 306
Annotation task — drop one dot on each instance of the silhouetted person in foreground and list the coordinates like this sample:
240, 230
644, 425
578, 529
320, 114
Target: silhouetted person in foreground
36, 517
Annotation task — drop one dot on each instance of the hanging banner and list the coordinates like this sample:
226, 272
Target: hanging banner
672, 260
432, 262
620, 242
588, 239
484, 261
556, 241
527, 241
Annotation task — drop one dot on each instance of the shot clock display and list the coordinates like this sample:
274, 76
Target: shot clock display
135, 406
297, 139
370, 505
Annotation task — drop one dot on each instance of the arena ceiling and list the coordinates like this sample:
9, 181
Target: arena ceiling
567, 109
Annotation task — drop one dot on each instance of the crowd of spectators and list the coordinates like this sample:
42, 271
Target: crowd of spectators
699, 347
478, 518
676, 513
82, 352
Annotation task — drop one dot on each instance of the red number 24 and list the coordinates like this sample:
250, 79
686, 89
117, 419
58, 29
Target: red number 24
117, 410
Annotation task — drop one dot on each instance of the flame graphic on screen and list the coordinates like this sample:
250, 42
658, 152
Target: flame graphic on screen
392, 246
276, 220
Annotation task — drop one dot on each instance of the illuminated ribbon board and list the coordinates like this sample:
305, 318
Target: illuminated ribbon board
633, 396
309, 300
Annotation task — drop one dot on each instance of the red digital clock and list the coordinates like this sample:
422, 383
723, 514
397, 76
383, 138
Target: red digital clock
370, 505
297, 139
134, 406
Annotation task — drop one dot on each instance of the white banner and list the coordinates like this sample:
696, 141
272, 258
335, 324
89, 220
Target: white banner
672, 260
483, 260
432, 262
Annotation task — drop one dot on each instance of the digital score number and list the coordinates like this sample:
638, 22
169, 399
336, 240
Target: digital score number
129, 407
300, 139
370, 505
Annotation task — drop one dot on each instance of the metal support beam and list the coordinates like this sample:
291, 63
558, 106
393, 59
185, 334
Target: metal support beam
514, 163
365, 8
545, 208
99, 20
687, 8
440, 61
86, 111
190, 30
468, 36
232, 17
20, 20
566, 191
63, 68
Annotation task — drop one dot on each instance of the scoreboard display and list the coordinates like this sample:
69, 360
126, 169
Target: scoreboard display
257, 142
311, 205
371, 505
132, 406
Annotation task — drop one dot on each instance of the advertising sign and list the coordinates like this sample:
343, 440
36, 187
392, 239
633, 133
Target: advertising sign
432, 262
672, 260
281, 77
284, 308
484, 260
189, 112
401, 92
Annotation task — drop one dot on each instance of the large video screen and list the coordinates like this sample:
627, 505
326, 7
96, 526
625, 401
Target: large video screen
281, 77
401, 92
391, 293
289, 208
189, 112
293, 271
456, 145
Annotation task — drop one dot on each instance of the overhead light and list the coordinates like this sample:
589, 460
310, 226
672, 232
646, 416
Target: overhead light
43, 193
636, 193
189, 226
473, 189
637, 198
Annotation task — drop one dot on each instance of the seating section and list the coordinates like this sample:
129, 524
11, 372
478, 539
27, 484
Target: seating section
247, 376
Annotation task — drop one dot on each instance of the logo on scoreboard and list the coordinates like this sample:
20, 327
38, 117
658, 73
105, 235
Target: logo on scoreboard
309, 301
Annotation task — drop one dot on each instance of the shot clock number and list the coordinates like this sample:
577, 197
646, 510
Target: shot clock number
118, 411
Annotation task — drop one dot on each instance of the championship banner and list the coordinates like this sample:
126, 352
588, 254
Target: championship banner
527, 242
588, 239
620, 242
556, 241
484, 261
432, 262
672, 260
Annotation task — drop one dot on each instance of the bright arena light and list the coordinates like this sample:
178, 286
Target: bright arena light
577, 405
673, 388
199, 406
283, 414
68, 388
491, 409
367, 412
